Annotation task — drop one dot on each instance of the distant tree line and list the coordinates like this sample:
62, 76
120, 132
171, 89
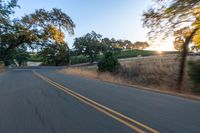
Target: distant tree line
92, 44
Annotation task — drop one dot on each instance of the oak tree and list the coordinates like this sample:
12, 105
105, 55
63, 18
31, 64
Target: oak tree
167, 16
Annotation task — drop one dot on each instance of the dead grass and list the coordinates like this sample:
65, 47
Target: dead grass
159, 72
1, 68
92, 74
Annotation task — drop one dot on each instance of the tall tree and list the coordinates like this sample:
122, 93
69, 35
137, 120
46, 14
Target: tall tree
40, 28
89, 44
6, 9
166, 16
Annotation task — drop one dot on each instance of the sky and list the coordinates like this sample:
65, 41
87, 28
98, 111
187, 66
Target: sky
119, 19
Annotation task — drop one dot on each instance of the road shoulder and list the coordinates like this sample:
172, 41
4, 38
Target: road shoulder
183, 95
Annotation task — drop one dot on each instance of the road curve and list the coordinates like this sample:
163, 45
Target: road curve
29, 104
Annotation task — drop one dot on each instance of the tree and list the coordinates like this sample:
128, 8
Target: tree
38, 29
107, 45
166, 16
54, 55
112, 45
180, 35
21, 56
6, 9
137, 45
89, 45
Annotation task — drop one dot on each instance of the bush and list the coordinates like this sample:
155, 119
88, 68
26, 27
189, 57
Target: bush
108, 63
194, 73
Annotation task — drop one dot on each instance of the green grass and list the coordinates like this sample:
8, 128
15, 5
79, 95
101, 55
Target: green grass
134, 53
122, 54
35, 58
79, 59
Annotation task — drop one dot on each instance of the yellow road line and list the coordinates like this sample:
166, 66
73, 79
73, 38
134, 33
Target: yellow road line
114, 114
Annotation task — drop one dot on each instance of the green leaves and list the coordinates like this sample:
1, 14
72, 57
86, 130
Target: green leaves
35, 30
6, 8
108, 63
54, 55
89, 44
54, 17
169, 15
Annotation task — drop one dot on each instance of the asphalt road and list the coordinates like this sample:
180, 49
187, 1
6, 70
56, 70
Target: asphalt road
30, 103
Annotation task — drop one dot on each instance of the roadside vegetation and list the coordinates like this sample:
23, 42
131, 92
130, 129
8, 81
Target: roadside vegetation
156, 72
78, 59
194, 73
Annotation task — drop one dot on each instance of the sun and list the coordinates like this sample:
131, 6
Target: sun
159, 51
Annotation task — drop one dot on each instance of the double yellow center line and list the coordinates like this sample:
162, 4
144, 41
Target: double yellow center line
131, 123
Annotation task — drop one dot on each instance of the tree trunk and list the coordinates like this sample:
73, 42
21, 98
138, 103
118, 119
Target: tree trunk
183, 61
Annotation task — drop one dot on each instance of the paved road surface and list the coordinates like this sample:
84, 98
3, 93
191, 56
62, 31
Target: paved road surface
32, 104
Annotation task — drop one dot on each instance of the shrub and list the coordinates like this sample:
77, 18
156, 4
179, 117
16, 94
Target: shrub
108, 63
194, 73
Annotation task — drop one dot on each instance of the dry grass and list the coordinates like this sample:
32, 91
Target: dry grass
2, 68
92, 73
159, 72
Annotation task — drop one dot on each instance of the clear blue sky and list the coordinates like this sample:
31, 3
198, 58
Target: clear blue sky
120, 19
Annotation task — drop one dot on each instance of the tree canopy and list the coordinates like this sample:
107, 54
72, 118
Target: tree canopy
167, 16
34, 30
89, 45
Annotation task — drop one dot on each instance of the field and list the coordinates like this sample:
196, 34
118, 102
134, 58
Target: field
122, 54
158, 72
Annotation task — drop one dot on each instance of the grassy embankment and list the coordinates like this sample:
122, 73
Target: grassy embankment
157, 72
